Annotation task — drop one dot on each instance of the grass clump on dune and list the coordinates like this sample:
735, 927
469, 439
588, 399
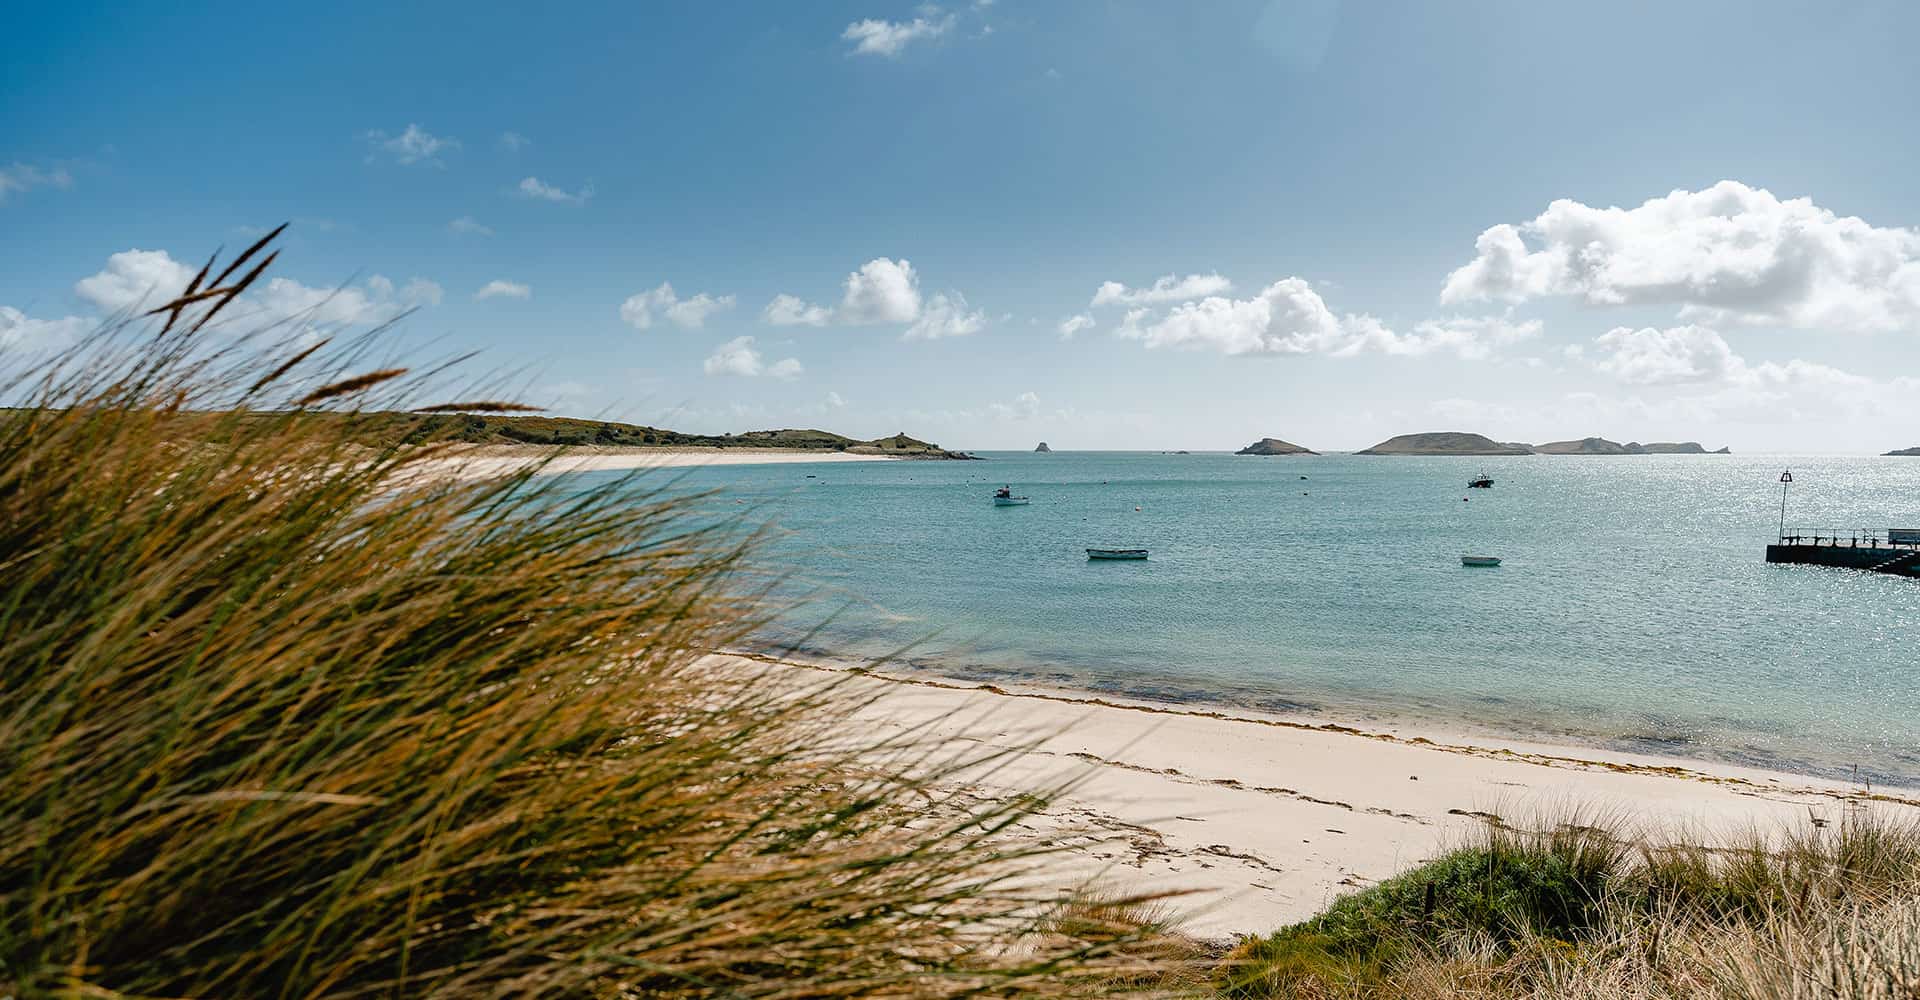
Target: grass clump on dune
1582, 909
271, 725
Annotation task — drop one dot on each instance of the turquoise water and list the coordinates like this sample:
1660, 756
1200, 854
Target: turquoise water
1633, 608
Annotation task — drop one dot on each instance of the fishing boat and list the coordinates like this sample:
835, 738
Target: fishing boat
1479, 560
1003, 497
1480, 482
1116, 553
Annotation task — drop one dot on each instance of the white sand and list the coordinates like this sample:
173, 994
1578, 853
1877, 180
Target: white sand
1270, 817
484, 461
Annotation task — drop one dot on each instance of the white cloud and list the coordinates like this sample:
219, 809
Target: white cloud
1682, 354
135, 277
413, 146
501, 289
1289, 317
469, 225
739, 357
834, 401
1074, 324
1024, 407
18, 331
691, 313
946, 316
882, 291
513, 142
1729, 253
148, 278
872, 36
22, 177
1169, 288
791, 310
534, 187
1473, 338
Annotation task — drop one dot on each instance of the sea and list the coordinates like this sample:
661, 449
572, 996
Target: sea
1633, 608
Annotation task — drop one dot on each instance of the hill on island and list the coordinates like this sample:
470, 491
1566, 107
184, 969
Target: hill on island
1905, 452
1445, 443
1274, 446
1043, 447
386, 428
1602, 446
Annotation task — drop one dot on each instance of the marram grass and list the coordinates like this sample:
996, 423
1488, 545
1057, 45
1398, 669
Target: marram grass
274, 726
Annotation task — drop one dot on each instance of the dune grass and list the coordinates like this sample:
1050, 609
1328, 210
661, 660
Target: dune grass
1582, 907
271, 725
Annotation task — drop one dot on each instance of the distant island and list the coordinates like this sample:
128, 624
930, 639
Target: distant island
1274, 446
1602, 446
1043, 447
1456, 443
1906, 452
1445, 443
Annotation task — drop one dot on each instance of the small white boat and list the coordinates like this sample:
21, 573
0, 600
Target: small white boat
1009, 501
1479, 560
1116, 553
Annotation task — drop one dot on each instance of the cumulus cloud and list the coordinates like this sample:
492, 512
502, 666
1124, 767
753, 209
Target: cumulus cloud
834, 401
875, 37
946, 316
1290, 317
18, 331
1169, 288
881, 291
145, 278
413, 146
22, 177
1074, 324
689, 313
469, 225
1729, 253
513, 142
501, 289
534, 187
739, 357
792, 310
1681, 354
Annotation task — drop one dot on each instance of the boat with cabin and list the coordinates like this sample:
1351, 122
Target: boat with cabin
1003, 497
1116, 553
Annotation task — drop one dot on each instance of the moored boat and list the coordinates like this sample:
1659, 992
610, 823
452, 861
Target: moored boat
1479, 560
1480, 482
1116, 553
1003, 497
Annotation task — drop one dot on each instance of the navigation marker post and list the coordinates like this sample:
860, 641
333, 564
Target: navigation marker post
1786, 479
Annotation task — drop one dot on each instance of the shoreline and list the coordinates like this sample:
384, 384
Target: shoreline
1269, 817
485, 461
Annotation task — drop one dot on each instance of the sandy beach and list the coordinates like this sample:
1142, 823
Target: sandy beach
1264, 819
484, 462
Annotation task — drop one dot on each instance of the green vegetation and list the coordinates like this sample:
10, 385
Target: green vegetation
1581, 910
380, 428
279, 719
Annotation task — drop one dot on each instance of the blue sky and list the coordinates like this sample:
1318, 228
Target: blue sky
1374, 218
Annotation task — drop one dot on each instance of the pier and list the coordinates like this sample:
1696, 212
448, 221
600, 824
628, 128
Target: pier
1895, 550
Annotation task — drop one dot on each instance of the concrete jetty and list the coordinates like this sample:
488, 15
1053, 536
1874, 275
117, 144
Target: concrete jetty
1895, 551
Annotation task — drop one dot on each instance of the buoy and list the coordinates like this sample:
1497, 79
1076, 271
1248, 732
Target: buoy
1136, 508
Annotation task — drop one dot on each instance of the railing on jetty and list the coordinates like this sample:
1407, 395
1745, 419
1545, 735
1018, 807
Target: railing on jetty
1895, 550
1854, 538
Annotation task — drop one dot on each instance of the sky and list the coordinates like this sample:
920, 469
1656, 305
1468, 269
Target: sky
1103, 225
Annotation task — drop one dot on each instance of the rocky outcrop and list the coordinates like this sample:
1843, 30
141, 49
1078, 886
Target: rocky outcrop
1043, 447
1906, 452
1274, 446
1445, 443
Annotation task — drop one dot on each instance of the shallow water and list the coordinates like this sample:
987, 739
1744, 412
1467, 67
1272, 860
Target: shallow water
1633, 608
